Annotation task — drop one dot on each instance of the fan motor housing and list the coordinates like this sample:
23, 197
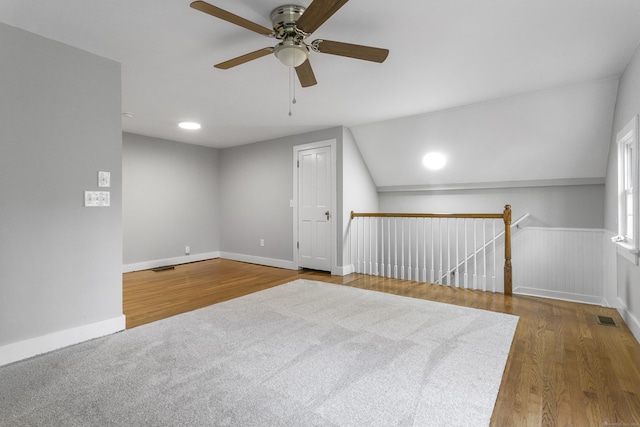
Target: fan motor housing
284, 20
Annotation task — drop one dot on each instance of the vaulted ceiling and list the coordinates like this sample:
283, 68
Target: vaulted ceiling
456, 69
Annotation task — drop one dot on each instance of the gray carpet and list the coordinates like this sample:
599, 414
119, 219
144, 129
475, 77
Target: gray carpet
301, 354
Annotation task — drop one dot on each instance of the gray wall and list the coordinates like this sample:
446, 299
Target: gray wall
575, 206
358, 192
257, 183
170, 199
60, 263
226, 200
627, 106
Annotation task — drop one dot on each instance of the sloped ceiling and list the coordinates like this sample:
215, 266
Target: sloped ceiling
533, 59
560, 135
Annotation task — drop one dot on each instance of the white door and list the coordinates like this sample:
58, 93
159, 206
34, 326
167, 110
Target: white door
314, 208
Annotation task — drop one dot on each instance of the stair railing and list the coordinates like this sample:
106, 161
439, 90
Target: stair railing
414, 246
482, 249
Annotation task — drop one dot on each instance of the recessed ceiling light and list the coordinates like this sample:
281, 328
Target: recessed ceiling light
434, 161
189, 125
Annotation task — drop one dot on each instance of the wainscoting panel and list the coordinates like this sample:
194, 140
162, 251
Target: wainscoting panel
559, 263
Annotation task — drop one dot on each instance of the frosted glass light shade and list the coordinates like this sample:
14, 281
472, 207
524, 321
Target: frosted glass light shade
291, 54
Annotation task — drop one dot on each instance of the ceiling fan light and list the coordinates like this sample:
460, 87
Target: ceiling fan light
291, 54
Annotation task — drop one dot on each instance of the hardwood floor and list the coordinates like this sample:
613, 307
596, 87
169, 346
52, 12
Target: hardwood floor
564, 368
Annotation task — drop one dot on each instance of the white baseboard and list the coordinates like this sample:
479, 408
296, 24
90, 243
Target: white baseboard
563, 296
632, 322
343, 271
251, 259
32, 347
146, 265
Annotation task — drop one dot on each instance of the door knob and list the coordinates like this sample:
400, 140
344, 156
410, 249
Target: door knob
327, 214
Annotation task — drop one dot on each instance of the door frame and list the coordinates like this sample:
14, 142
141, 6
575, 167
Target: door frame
332, 144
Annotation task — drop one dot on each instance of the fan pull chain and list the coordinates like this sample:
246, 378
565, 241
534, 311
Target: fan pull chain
292, 79
292, 90
290, 71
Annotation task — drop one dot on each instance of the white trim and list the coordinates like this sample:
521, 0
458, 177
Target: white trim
251, 259
632, 322
627, 252
332, 143
146, 265
562, 296
32, 347
628, 246
494, 185
582, 230
609, 271
344, 271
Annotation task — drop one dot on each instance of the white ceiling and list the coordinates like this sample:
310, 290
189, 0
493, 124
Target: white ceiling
444, 54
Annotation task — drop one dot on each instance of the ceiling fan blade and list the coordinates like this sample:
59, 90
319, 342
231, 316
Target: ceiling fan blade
230, 17
305, 74
367, 53
317, 13
244, 58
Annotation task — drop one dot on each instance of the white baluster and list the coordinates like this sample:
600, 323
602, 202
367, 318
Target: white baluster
402, 248
370, 246
448, 252
358, 246
376, 249
417, 272
466, 256
440, 249
382, 247
484, 254
457, 279
493, 278
424, 250
395, 259
364, 245
433, 263
409, 266
389, 247
475, 254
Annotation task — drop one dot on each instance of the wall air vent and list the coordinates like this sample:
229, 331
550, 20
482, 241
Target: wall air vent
163, 268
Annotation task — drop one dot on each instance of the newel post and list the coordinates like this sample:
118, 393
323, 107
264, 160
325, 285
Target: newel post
507, 250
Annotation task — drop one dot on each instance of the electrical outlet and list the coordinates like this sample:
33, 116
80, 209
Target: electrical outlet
261, 242
187, 250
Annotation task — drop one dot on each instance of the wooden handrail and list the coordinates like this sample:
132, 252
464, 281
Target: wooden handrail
505, 216
425, 215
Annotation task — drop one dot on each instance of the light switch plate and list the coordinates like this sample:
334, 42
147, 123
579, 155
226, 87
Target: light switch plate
104, 179
97, 198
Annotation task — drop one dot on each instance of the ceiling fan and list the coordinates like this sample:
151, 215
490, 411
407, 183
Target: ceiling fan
292, 24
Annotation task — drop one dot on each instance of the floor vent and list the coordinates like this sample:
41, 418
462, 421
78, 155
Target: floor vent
163, 268
606, 320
